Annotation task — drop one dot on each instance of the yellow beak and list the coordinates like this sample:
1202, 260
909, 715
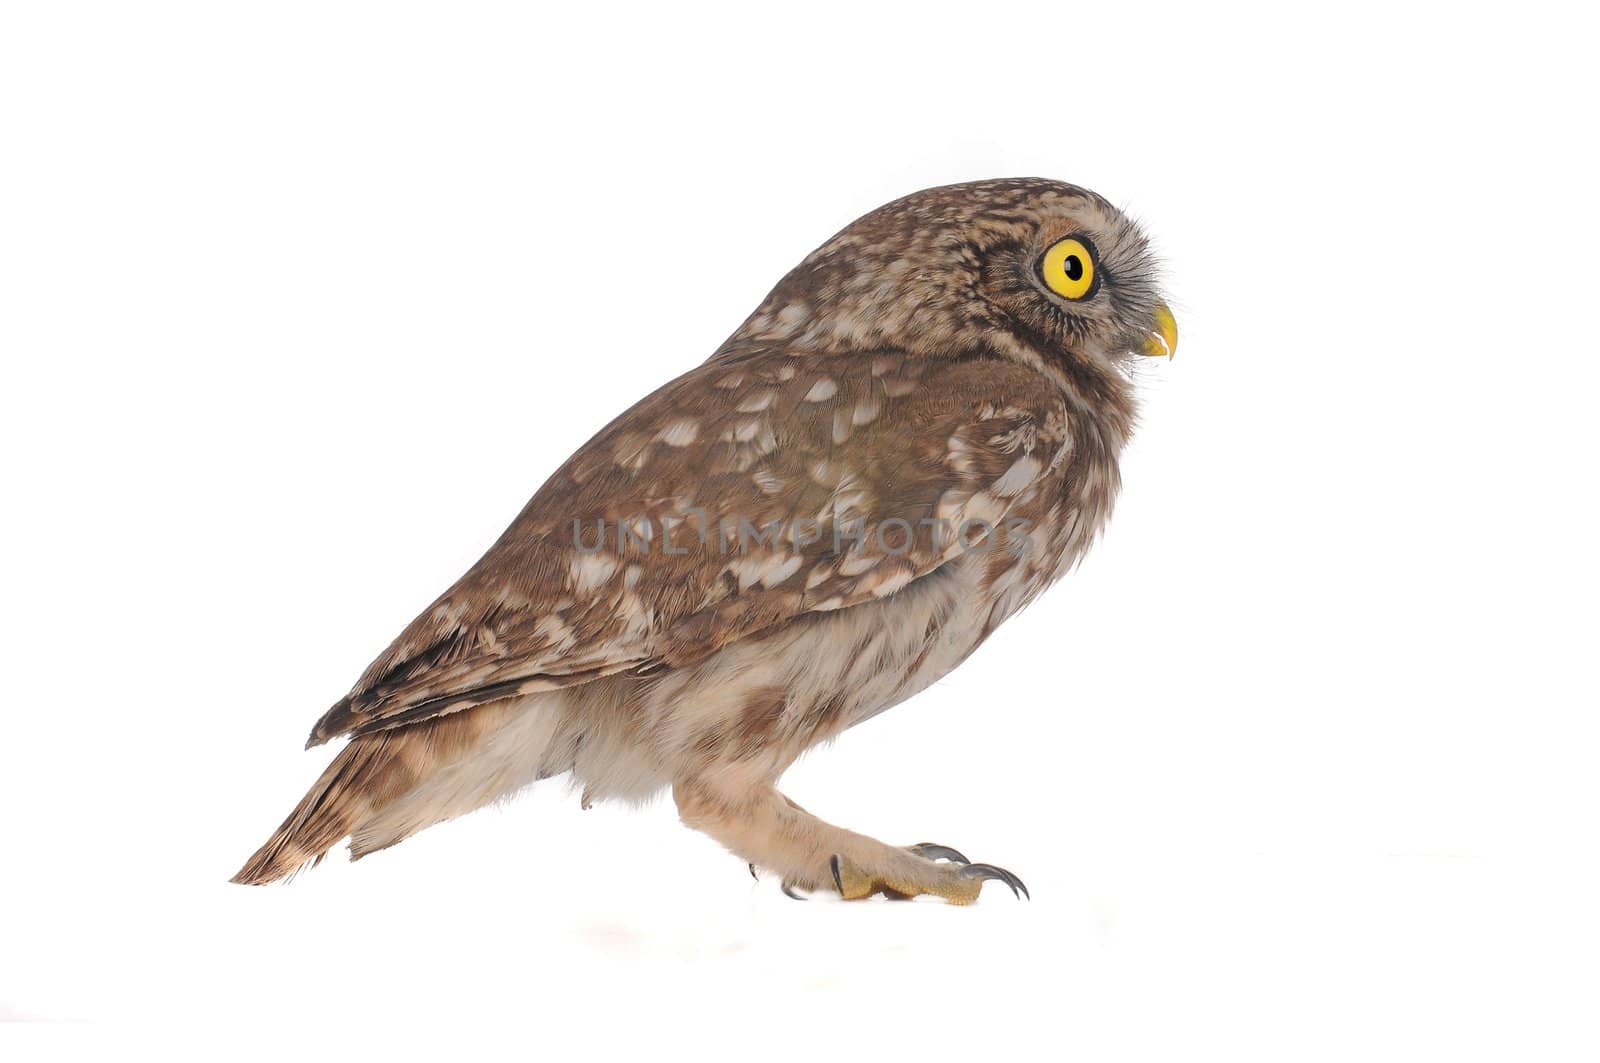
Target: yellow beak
1161, 341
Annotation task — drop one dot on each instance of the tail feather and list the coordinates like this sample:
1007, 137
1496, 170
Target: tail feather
363, 777
384, 787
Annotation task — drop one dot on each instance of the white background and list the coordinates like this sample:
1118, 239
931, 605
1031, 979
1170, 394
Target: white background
300, 302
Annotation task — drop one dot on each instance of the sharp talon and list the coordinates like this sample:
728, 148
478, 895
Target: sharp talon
999, 874
789, 893
753, 873
935, 851
833, 865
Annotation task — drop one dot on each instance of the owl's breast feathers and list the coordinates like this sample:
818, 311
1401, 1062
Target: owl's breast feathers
762, 487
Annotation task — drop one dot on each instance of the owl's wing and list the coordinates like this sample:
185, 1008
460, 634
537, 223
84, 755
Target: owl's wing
762, 486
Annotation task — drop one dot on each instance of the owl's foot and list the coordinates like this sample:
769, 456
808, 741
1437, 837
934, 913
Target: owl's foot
958, 881
772, 832
846, 868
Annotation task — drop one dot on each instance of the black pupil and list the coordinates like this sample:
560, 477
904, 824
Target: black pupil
1073, 267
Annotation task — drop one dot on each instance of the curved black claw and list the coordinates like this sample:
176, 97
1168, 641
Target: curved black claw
988, 871
935, 851
789, 893
753, 873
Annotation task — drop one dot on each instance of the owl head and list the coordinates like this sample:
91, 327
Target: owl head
1031, 269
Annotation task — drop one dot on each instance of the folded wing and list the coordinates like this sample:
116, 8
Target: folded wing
763, 486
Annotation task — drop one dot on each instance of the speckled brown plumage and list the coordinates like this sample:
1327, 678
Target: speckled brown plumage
908, 440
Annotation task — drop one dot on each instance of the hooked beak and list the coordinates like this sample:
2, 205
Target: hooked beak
1162, 340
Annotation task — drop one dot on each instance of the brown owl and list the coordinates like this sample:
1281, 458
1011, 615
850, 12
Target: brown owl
912, 436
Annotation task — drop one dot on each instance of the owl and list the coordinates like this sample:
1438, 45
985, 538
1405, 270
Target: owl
911, 437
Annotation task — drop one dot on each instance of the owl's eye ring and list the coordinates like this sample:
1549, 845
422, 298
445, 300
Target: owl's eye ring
1070, 268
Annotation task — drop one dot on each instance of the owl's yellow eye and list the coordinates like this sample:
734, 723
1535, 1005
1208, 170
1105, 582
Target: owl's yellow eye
1067, 268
